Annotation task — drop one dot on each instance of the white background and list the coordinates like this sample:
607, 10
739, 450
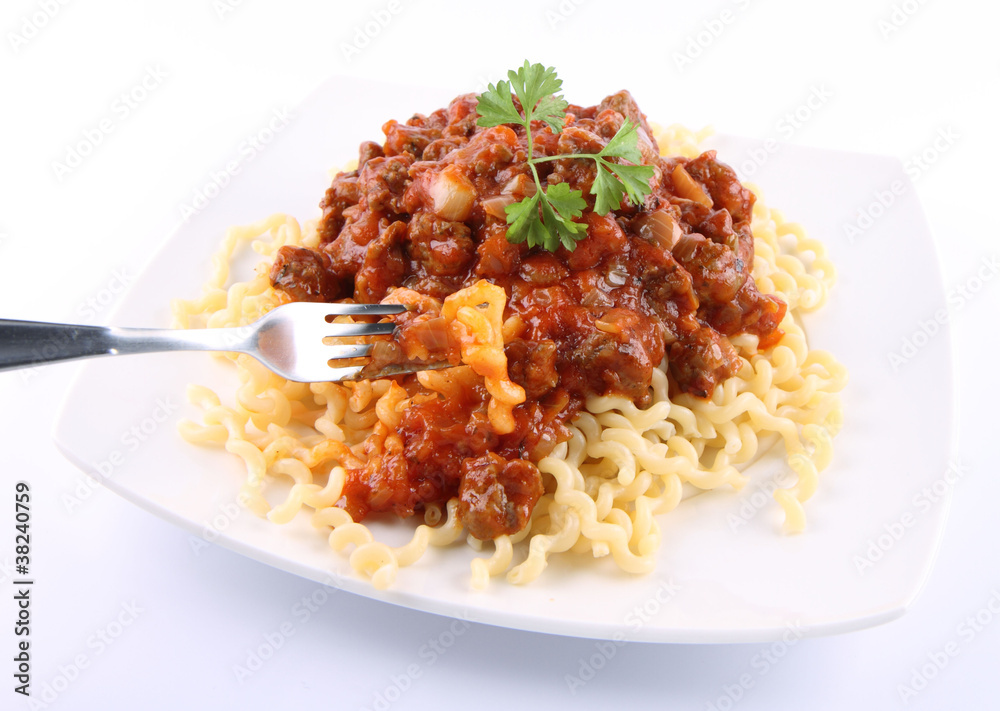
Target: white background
177, 619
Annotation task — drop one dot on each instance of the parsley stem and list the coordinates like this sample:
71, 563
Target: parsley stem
527, 132
538, 181
531, 150
595, 156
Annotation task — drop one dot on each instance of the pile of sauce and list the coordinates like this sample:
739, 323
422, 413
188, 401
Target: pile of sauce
423, 212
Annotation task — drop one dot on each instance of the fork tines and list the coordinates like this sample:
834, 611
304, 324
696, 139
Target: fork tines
341, 330
364, 309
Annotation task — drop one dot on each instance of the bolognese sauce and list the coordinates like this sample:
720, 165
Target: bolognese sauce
423, 216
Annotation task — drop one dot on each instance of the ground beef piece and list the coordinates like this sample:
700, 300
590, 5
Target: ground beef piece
383, 181
716, 272
462, 116
702, 360
614, 353
604, 238
532, 365
347, 252
368, 150
440, 247
718, 227
497, 257
750, 312
623, 103
667, 287
487, 152
400, 138
436, 150
496, 496
304, 274
578, 139
342, 194
723, 185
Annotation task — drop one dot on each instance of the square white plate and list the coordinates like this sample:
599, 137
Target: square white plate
874, 523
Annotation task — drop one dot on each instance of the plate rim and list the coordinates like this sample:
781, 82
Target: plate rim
548, 625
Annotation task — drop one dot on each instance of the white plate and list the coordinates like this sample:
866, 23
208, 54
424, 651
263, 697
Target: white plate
714, 582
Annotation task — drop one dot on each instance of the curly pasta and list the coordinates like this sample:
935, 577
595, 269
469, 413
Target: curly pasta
605, 486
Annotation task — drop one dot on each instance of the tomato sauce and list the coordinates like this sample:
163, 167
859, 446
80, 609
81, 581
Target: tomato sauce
667, 279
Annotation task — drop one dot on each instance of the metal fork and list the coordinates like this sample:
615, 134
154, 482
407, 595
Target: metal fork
288, 339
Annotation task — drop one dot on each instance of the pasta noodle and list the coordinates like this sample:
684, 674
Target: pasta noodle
605, 487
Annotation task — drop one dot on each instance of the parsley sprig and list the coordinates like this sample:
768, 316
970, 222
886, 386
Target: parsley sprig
546, 219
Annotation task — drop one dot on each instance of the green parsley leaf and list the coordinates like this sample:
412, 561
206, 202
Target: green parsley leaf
520, 215
624, 144
551, 110
533, 82
565, 204
567, 201
607, 190
636, 179
496, 106
615, 180
546, 219
558, 205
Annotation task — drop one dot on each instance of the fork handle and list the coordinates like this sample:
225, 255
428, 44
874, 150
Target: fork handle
26, 343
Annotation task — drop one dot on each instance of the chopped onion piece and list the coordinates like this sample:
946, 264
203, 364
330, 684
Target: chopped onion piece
660, 228
617, 275
595, 297
689, 188
495, 206
453, 194
520, 186
433, 334
614, 321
